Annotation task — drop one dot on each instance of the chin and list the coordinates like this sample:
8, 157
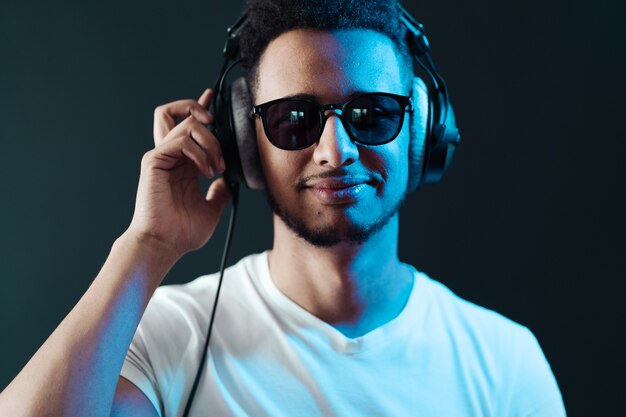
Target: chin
339, 227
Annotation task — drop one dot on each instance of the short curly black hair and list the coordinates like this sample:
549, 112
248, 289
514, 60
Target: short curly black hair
268, 19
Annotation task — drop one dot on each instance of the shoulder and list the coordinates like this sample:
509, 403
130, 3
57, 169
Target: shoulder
489, 344
469, 319
184, 310
196, 297
477, 336
170, 338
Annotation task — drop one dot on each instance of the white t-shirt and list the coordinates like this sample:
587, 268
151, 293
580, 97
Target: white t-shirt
441, 356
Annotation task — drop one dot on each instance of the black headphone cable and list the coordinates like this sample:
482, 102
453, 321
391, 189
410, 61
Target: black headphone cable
234, 188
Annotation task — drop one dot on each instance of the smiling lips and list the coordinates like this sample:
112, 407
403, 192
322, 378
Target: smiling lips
338, 191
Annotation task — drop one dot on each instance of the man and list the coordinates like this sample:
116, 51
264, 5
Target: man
329, 321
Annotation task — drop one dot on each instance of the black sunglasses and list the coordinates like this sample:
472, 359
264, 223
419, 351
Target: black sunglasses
369, 119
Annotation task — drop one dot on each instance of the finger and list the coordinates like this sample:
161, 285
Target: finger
165, 116
199, 159
173, 154
203, 138
205, 98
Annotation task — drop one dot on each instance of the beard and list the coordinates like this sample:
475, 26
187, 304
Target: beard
355, 234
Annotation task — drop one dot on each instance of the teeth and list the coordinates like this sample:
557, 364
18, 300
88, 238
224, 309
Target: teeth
337, 186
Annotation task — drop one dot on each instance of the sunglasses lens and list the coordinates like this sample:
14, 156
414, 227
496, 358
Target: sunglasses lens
374, 119
371, 119
292, 124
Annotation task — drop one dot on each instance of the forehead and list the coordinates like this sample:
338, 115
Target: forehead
328, 65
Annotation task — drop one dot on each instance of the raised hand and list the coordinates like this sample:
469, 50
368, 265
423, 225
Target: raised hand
171, 208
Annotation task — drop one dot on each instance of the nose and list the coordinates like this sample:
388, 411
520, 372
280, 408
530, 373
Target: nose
335, 148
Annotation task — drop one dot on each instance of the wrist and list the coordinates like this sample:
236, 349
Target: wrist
156, 256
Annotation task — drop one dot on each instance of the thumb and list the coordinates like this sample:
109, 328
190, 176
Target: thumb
218, 195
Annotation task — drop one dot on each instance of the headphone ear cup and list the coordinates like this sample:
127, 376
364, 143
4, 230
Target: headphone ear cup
245, 134
419, 127
442, 141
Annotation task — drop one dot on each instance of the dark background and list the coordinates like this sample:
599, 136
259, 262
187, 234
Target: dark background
528, 222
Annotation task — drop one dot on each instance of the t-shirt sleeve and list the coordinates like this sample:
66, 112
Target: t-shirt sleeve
138, 370
144, 364
536, 393
162, 358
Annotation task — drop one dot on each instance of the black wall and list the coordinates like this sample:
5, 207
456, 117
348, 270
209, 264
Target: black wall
529, 220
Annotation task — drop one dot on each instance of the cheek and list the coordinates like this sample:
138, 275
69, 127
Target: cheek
262, 143
401, 163
266, 154
392, 163
279, 167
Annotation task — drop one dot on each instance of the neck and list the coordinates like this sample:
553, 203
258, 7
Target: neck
355, 288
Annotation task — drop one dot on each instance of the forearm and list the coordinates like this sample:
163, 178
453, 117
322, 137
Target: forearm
76, 370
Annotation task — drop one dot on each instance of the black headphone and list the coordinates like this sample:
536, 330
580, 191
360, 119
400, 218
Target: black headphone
235, 130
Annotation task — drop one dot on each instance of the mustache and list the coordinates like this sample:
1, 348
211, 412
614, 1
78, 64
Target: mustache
340, 174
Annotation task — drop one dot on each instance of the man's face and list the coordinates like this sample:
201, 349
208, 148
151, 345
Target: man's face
335, 190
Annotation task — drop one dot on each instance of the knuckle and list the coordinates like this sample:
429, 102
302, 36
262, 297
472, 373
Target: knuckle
190, 123
184, 127
147, 158
193, 106
159, 111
